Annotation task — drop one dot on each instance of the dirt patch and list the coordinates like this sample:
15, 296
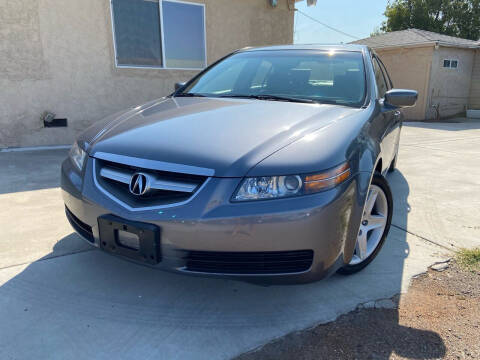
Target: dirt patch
438, 318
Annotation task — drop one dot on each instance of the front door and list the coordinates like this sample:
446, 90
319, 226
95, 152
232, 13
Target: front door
391, 116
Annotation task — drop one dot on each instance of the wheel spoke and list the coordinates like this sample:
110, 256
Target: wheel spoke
373, 224
361, 246
376, 221
372, 197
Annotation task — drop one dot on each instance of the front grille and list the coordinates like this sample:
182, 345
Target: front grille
274, 262
80, 227
167, 187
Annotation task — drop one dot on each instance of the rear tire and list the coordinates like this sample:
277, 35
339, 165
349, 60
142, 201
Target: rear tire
374, 227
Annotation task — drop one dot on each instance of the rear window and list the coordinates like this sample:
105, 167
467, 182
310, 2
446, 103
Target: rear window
321, 76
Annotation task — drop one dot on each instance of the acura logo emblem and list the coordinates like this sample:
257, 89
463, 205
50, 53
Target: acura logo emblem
139, 184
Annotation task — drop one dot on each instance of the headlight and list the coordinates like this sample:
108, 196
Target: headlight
271, 187
78, 156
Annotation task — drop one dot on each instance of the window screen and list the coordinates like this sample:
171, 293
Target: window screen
184, 35
137, 32
159, 33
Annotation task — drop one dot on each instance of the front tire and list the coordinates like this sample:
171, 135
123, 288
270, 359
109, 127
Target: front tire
374, 227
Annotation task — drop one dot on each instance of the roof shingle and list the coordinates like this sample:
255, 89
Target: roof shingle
411, 37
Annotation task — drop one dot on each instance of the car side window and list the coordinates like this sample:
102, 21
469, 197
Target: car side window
382, 86
385, 74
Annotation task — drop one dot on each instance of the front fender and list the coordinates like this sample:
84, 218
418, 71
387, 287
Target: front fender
362, 183
366, 155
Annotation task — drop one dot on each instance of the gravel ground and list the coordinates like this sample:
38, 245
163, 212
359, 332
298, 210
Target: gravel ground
439, 318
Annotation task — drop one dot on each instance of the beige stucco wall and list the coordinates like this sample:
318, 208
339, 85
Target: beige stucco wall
58, 56
450, 88
474, 99
409, 68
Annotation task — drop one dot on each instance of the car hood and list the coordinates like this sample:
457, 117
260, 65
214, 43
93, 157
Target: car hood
227, 136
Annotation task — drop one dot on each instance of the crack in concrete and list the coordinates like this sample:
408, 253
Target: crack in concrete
423, 238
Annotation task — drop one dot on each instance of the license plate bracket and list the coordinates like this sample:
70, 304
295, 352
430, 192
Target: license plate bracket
113, 231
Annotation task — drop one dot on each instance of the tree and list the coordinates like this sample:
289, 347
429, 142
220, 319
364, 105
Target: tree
377, 31
459, 18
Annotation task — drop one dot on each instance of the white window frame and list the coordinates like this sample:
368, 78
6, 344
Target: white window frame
450, 67
162, 45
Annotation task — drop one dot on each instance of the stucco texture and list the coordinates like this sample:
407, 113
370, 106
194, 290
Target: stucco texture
474, 100
58, 56
450, 88
409, 68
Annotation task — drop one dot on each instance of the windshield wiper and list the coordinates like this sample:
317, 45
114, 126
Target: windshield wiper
326, 101
190, 95
270, 97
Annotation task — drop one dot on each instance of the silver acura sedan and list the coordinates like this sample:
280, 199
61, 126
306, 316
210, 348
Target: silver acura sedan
268, 165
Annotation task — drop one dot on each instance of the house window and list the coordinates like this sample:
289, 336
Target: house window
449, 63
166, 34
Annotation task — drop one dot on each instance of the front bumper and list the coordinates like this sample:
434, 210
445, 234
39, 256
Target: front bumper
325, 223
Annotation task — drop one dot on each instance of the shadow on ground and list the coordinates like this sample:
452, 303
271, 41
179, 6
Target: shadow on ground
43, 170
102, 307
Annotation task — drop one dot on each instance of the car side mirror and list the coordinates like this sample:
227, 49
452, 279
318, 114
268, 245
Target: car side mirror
178, 85
401, 97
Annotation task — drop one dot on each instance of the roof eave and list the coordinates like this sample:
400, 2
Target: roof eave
426, 44
464, 46
399, 46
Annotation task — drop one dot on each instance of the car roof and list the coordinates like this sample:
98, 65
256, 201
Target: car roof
324, 47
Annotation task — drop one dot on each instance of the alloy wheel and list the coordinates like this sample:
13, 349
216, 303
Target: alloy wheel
372, 227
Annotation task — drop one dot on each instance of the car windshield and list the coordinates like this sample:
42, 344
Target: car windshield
336, 77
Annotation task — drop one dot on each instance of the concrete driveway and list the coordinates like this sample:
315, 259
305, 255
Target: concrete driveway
59, 299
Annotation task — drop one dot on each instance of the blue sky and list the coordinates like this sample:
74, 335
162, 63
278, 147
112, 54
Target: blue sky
355, 17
